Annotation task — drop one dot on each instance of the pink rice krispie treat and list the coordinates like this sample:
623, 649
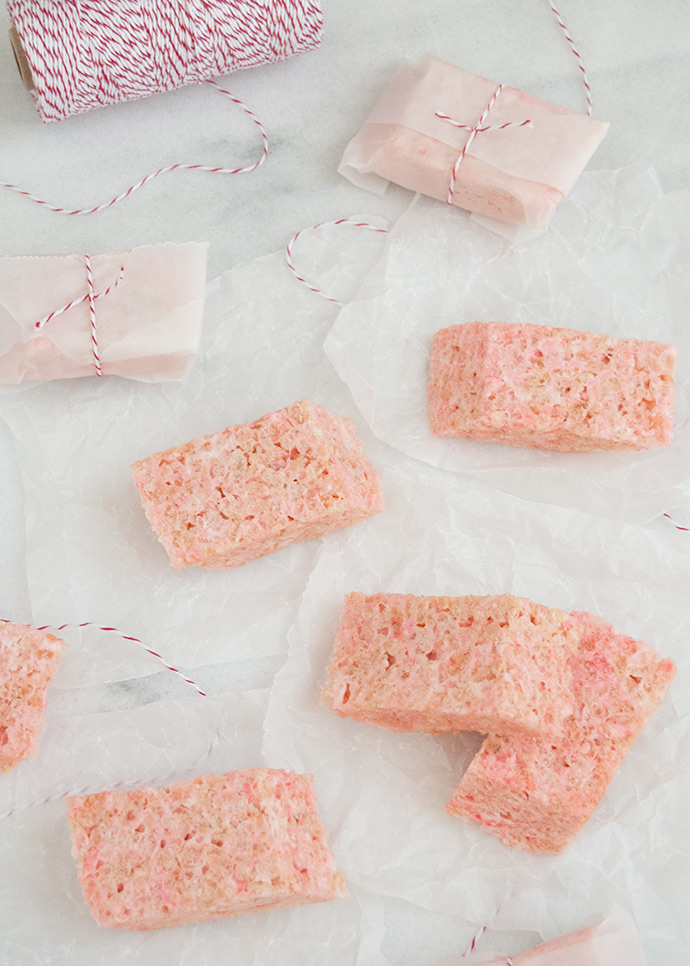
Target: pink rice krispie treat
550, 388
243, 492
28, 661
537, 794
216, 846
434, 664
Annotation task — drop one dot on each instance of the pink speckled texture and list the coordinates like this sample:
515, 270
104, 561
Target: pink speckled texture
215, 846
537, 794
550, 388
29, 659
435, 664
515, 176
223, 500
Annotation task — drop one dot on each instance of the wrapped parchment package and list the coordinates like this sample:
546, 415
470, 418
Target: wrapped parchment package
513, 174
148, 308
610, 941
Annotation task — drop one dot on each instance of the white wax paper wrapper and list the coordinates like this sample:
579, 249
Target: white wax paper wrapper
512, 177
385, 798
611, 940
148, 324
44, 916
92, 556
615, 261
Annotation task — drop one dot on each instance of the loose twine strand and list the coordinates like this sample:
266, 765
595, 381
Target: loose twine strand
580, 62
124, 637
90, 789
677, 525
133, 640
473, 945
160, 171
289, 248
169, 667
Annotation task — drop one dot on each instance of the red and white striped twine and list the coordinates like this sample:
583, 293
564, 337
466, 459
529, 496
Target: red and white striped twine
92, 314
488, 127
574, 49
87, 55
676, 525
126, 637
129, 49
475, 939
473, 945
156, 174
478, 128
324, 224
91, 297
90, 790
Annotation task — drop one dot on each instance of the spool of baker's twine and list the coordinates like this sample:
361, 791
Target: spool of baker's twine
83, 55
78, 56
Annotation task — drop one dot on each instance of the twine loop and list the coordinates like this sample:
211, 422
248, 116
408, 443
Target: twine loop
324, 224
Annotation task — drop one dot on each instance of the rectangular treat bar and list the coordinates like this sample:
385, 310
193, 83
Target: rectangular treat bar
435, 664
538, 794
511, 177
29, 659
215, 846
610, 941
243, 492
549, 388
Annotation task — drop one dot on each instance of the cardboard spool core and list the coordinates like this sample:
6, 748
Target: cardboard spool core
22, 62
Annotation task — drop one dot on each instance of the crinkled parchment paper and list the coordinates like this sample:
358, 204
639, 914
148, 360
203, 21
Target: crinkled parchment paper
44, 917
614, 261
91, 555
383, 794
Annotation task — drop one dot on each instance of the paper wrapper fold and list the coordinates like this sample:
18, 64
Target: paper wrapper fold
512, 179
148, 326
610, 941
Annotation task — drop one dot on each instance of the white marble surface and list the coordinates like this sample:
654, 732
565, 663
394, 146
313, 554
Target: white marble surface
638, 58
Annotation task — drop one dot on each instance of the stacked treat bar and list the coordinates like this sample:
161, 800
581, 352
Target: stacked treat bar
561, 696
